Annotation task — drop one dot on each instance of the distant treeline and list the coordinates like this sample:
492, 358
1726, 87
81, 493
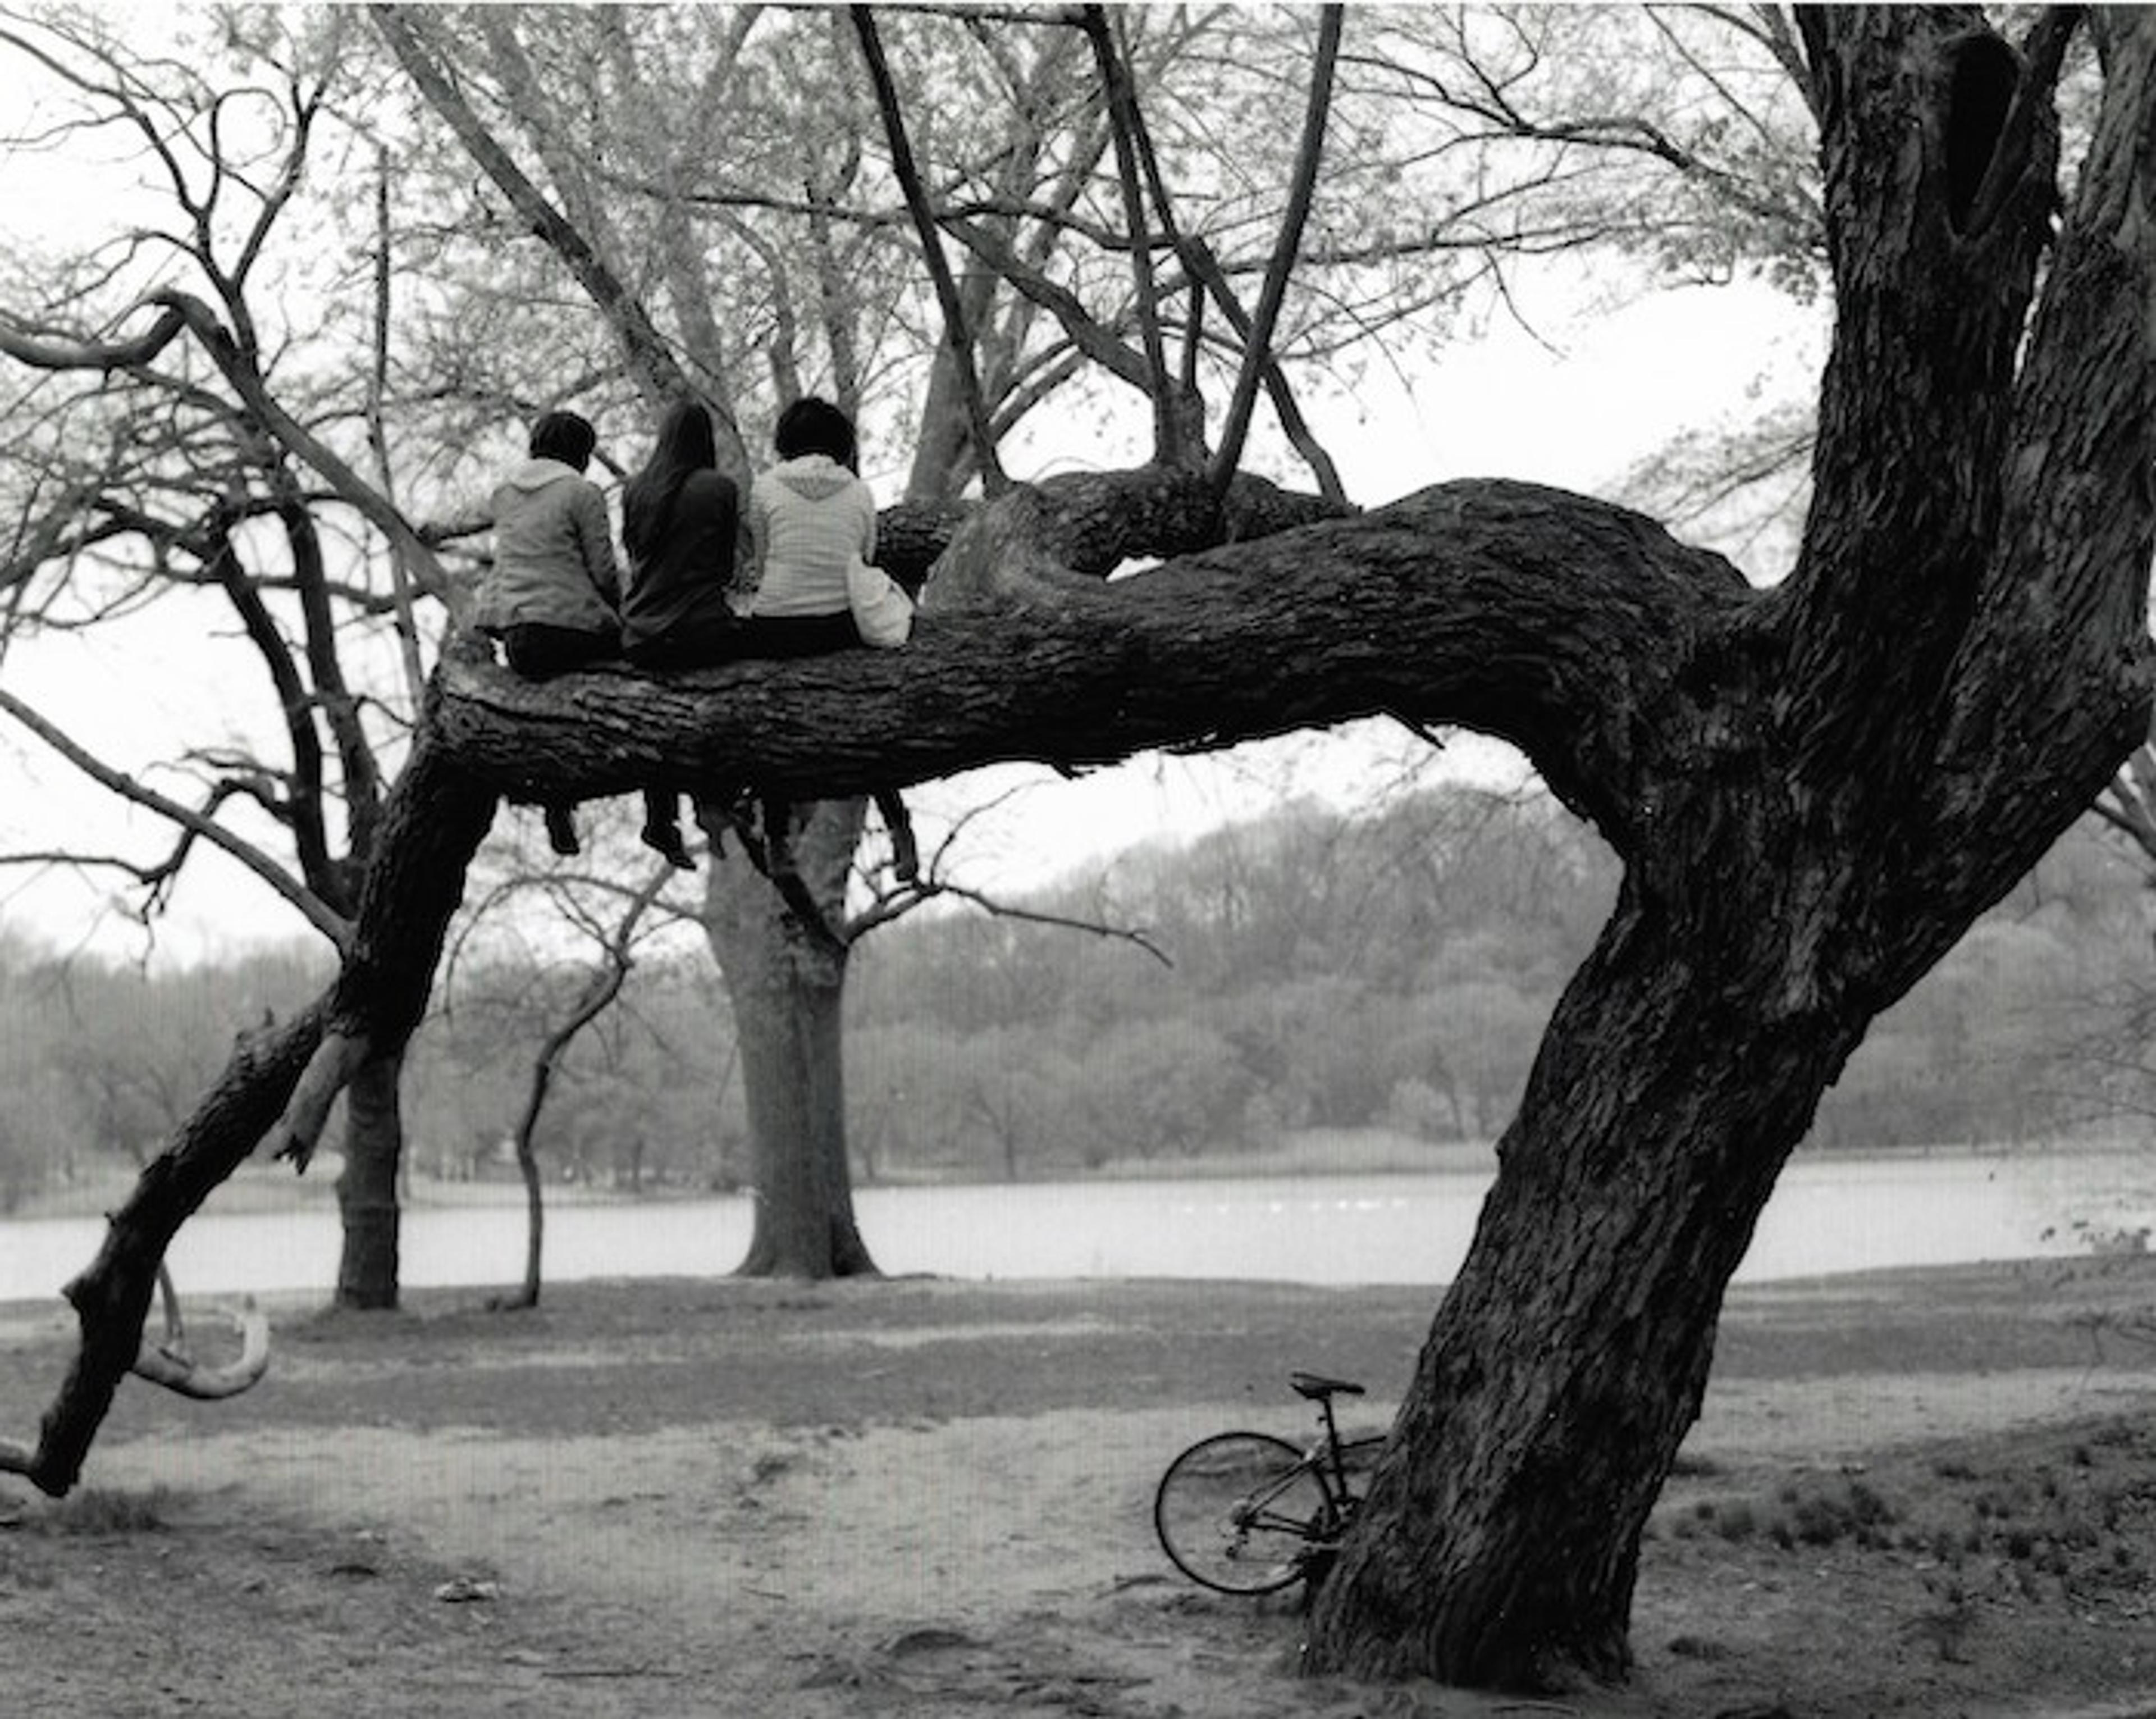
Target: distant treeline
1394, 971
1389, 972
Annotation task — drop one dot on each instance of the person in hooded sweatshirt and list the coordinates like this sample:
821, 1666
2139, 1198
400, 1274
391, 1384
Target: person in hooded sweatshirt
809, 517
811, 521
552, 594
554, 591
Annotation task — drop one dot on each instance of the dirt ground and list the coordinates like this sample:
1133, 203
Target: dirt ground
1929, 1494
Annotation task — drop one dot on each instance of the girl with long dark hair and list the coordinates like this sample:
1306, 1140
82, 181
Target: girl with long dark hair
680, 516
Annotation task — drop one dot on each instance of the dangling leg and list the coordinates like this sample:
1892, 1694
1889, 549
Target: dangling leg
777, 864
539, 653
662, 828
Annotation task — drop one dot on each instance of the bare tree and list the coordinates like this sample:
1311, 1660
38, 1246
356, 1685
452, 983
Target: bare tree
615, 959
487, 88
191, 463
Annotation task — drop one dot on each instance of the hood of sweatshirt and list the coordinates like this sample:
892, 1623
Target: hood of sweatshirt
814, 477
537, 474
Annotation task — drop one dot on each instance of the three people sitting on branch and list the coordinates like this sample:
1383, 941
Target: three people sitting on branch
557, 600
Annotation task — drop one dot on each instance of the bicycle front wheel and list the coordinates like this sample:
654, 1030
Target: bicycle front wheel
1242, 1512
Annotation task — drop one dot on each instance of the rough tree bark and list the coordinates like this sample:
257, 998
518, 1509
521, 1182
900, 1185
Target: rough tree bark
1829, 783
787, 984
276, 1092
368, 1205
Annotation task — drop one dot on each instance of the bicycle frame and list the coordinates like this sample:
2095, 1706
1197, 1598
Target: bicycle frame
1251, 1512
1247, 1512
1325, 1461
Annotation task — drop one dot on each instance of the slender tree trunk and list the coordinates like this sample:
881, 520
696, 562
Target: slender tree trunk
534, 1201
787, 987
367, 1188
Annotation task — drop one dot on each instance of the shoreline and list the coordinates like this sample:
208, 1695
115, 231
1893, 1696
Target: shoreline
259, 1188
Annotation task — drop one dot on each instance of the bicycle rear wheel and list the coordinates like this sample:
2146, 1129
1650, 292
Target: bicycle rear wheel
1240, 1512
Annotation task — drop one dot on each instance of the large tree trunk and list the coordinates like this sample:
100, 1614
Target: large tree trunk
366, 1187
1875, 766
787, 984
1571, 1354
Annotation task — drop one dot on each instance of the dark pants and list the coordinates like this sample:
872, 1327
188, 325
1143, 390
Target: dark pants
539, 653
797, 635
702, 644
706, 644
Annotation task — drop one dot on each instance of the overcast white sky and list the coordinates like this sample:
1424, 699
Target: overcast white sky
1577, 404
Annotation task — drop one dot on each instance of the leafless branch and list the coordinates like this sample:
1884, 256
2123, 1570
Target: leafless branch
1301, 192
1171, 433
603, 985
957, 335
906, 900
193, 824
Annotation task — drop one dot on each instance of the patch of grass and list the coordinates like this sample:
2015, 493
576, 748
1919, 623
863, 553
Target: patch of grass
98, 1511
1738, 1521
1827, 1517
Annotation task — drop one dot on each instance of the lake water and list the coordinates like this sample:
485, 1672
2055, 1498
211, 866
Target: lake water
1830, 1215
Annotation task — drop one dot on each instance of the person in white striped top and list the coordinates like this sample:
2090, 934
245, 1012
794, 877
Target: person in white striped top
811, 520
809, 517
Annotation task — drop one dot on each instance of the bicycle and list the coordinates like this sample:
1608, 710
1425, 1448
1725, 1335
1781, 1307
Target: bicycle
1248, 1513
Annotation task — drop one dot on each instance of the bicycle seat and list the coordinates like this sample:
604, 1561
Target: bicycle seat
1317, 1387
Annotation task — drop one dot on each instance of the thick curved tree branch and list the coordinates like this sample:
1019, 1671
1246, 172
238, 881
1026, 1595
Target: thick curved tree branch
111, 1298
166, 1362
62, 353
1553, 621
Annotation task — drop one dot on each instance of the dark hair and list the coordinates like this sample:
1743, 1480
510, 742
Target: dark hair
686, 444
811, 425
564, 436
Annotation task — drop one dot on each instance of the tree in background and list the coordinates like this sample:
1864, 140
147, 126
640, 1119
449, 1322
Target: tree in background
237, 467
1019, 166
